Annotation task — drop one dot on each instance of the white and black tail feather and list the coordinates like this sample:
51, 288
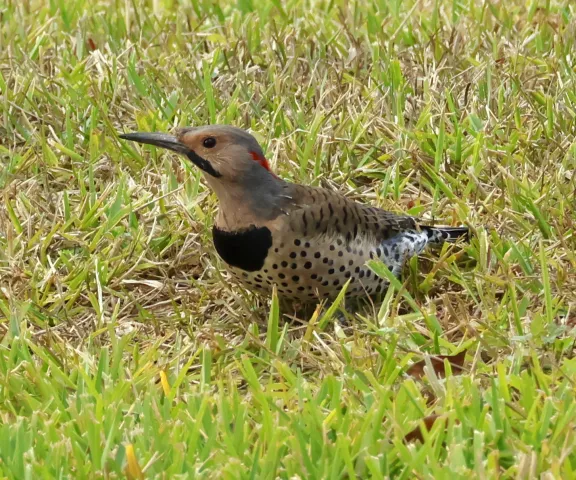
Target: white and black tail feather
438, 235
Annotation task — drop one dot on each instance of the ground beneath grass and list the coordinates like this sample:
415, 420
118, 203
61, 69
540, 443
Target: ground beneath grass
125, 352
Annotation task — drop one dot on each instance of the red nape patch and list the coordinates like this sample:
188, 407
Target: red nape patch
261, 160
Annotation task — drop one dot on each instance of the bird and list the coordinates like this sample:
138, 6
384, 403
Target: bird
305, 241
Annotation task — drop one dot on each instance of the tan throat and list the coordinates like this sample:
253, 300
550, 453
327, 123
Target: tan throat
240, 208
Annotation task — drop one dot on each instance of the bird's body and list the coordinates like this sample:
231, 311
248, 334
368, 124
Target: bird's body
318, 241
307, 241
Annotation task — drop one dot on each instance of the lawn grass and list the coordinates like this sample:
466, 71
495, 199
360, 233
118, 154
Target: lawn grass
124, 352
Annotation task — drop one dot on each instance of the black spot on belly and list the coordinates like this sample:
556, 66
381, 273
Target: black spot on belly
244, 249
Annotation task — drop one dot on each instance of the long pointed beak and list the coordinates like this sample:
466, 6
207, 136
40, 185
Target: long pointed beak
162, 140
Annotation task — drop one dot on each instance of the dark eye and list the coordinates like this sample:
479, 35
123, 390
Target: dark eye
209, 142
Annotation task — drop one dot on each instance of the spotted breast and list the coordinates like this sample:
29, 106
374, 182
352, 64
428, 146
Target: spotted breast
318, 243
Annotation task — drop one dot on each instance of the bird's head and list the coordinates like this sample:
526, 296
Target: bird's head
233, 165
220, 151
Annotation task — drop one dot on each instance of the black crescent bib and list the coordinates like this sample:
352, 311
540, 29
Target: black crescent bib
245, 249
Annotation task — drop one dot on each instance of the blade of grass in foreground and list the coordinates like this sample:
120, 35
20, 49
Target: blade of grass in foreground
325, 319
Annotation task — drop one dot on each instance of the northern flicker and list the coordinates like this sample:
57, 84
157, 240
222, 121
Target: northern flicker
308, 241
